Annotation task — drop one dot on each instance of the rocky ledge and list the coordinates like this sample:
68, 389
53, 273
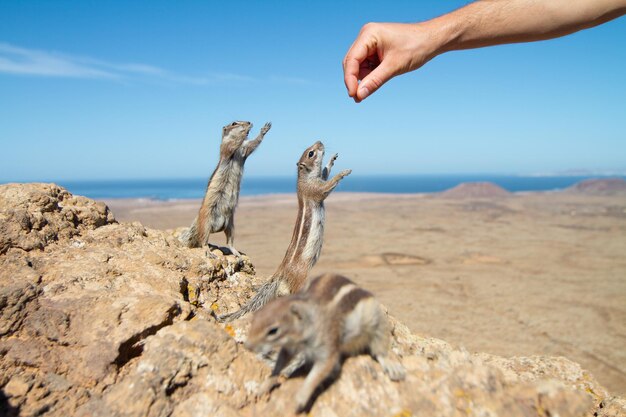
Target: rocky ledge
100, 318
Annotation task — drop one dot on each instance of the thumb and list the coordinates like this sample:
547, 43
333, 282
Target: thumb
375, 79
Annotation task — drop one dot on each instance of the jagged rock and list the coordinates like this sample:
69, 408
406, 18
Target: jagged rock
106, 319
80, 293
32, 216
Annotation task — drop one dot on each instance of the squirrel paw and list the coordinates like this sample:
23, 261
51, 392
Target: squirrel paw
393, 369
267, 387
345, 173
266, 128
302, 401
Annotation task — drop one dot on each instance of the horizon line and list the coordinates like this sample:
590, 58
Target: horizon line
606, 173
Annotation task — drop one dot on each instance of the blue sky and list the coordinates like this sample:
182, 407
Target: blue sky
103, 90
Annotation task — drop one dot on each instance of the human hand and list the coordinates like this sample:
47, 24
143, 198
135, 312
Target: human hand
383, 50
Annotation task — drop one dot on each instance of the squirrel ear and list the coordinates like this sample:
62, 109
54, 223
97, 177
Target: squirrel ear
295, 310
298, 310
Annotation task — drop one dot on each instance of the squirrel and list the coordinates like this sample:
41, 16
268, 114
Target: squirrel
222, 193
331, 319
306, 241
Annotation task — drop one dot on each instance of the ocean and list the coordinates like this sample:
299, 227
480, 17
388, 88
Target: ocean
175, 189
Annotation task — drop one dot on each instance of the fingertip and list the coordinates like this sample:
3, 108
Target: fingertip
351, 64
374, 80
351, 84
350, 73
363, 92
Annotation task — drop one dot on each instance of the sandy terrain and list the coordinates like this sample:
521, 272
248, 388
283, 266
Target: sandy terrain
529, 274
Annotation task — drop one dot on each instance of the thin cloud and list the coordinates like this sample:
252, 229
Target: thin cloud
290, 80
31, 62
21, 61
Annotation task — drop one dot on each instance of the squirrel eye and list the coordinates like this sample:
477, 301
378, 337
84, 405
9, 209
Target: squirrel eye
311, 154
233, 123
272, 331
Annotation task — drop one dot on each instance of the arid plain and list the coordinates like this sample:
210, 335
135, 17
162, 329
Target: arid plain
517, 275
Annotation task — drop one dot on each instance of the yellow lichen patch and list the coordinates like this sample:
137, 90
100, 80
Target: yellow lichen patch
594, 394
214, 306
460, 393
464, 400
541, 412
404, 413
229, 329
192, 295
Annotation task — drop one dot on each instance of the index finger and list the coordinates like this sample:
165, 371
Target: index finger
352, 62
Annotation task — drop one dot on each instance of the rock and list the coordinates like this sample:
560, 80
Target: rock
80, 294
17, 387
112, 319
475, 190
32, 216
193, 363
201, 405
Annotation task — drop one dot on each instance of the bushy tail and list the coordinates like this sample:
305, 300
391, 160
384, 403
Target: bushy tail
266, 293
189, 237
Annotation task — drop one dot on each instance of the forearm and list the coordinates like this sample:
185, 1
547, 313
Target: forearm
251, 145
494, 22
328, 167
385, 50
326, 187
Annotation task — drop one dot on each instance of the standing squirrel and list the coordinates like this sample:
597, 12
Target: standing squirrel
331, 319
308, 233
222, 193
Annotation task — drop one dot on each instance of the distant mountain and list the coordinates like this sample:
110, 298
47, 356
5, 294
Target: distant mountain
475, 190
603, 186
